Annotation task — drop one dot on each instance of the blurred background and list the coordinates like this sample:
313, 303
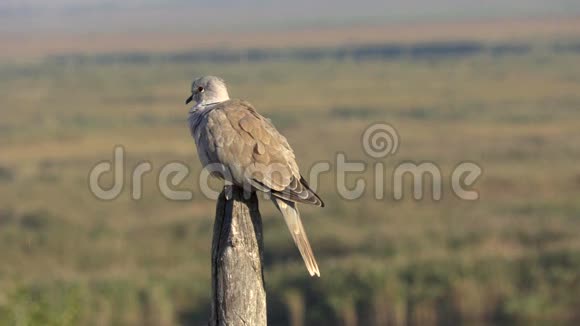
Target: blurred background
493, 82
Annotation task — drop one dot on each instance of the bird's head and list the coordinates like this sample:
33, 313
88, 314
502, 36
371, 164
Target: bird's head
208, 90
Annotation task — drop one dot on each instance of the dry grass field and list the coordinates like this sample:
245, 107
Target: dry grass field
512, 256
39, 44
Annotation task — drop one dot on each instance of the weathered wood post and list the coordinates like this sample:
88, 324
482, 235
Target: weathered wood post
238, 294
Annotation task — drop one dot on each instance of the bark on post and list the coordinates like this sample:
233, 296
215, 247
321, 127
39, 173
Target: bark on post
238, 294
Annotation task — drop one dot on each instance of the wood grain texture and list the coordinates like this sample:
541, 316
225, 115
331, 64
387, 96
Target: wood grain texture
238, 294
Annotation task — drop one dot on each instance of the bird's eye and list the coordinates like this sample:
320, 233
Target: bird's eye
200, 89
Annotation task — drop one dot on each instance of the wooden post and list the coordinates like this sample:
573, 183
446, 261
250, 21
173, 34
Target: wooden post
238, 294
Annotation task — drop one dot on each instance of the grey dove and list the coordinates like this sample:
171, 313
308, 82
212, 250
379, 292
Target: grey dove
243, 148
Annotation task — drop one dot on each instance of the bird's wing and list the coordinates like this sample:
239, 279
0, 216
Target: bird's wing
251, 147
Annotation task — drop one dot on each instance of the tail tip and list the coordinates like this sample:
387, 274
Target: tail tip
314, 272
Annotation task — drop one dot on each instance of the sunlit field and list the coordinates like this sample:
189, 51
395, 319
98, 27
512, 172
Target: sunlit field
68, 258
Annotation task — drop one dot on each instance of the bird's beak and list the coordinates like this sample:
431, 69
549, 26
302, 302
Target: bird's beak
189, 99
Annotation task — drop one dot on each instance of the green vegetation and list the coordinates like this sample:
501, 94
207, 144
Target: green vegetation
513, 256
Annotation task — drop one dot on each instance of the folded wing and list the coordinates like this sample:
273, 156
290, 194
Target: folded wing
257, 153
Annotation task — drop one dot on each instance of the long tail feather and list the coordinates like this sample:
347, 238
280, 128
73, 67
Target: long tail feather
292, 218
